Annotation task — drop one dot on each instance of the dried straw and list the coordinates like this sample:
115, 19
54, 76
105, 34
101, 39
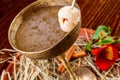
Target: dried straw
31, 69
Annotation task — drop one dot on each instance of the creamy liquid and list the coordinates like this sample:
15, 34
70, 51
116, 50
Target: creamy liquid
40, 31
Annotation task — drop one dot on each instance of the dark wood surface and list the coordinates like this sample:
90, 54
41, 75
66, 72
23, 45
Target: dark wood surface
94, 13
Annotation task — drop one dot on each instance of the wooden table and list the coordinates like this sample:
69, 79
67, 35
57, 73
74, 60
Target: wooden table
94, 13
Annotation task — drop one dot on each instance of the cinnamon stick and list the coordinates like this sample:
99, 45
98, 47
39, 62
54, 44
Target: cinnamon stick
68, 56
78, 54
70, 53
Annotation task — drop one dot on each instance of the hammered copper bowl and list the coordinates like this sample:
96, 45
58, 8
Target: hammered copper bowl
54, 51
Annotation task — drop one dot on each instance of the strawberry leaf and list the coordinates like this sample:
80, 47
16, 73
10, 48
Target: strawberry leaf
88, 46
106, 40
98, 32
118, 40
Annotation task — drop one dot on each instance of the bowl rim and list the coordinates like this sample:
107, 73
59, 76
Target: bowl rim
22, 12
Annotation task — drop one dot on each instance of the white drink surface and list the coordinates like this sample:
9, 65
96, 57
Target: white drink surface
40, 31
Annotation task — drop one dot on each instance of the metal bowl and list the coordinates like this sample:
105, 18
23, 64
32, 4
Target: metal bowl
53, 51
